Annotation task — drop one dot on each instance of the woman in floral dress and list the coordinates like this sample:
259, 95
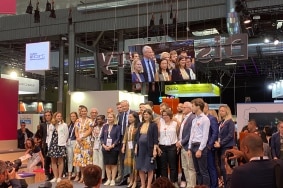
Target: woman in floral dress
83, 150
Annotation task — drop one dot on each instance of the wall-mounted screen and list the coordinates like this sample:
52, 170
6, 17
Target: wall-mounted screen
38, 56
163, 62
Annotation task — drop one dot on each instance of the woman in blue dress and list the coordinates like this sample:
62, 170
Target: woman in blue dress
145, 150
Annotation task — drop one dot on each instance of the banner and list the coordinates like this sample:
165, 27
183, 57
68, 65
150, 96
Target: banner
8, 6
192, 90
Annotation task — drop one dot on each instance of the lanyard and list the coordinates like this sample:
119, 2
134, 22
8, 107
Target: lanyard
70, 136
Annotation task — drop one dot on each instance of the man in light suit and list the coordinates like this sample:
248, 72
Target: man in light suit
148, 64
182, 144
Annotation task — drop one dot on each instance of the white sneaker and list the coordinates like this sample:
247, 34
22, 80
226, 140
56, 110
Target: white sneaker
53, 180
107, 182
112, 183
58, 180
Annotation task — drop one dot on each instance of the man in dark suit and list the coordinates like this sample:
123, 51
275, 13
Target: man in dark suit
44, 130
182, 144
123, 122
23, 134
148, 64
277, 142
259, 171
212, 137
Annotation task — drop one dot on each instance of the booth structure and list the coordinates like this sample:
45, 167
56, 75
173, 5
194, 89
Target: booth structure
102, 100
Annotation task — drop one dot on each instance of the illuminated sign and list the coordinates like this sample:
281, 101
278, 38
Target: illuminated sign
192, 90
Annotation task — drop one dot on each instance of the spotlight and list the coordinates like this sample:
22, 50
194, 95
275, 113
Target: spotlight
13, 75
161, 20
48, 6
29, 8
151, 22
266, 40
52, 13
276, 41
247, 20
36, 14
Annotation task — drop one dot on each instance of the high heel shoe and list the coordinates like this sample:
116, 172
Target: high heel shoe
77, 178
134, 184
81, 180
130, 185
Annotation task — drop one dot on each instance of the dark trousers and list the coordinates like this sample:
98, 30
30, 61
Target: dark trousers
200, 165
47, 162
212, 168
169, 157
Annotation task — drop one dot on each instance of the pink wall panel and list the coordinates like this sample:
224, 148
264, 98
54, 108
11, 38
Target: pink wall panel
8, 109
8, 7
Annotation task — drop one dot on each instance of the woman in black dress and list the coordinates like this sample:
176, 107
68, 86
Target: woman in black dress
147, 141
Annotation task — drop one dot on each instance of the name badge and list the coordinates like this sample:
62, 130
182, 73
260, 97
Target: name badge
96, 144
108, 142
130, 145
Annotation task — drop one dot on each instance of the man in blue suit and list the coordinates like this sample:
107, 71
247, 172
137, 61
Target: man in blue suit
182, 144
212, 137
148, 64
277, 142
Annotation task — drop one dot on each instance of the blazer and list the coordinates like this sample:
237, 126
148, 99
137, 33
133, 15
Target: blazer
177, 76
226, 134
213, 131
115, 135
63, 134
21, 137
145, 73
275, 145
187, 131
135, 77
257, 173
152, 137
120, 121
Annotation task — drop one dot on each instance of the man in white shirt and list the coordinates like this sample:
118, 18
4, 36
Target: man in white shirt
198, 141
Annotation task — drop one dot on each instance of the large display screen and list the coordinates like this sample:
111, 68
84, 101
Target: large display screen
163, 62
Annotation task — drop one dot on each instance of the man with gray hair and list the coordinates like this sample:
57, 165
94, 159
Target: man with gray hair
148, 64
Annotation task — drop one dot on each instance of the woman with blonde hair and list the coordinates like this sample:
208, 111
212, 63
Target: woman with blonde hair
83, 150
57, 145
110, 141
226, 138
137, 71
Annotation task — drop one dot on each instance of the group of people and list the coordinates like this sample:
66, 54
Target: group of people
145, 145
170, 66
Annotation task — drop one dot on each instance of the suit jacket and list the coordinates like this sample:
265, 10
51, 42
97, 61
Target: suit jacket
152, 137
213, 131
120, 120
226, 134
115, 135
258, 173
135, 78
187, 131
21, 137
145, 73
177, 76
275, 145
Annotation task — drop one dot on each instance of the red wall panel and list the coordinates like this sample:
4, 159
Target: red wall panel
8, 6
8, 109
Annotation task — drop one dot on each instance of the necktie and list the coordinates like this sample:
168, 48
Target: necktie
124, 122
150, 71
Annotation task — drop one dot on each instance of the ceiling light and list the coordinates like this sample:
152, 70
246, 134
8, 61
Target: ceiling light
270, 86
212, 31
232, 63
52, 13
247, 20
276, 41
48, 6
36, 14
29, 8
13, 75
266, 40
